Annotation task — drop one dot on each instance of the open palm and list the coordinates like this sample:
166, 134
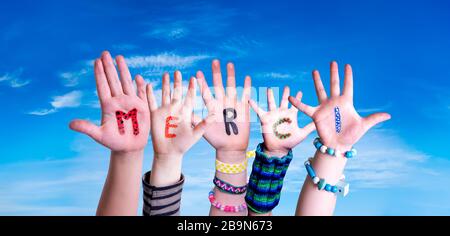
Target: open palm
172, 130
279, 125
224, 105
118, 98
337, 122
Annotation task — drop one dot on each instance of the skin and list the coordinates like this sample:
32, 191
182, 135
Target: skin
229, 148
168, 152
120, 194
311, 200
274, 146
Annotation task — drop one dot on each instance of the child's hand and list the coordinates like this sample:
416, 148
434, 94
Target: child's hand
125, 120
172, 129
279, 125
337, 122
230, 130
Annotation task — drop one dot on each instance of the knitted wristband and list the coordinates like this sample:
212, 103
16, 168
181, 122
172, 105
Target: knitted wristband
266, 181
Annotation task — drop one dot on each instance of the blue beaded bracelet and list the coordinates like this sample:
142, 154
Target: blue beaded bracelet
332, 152
341, 188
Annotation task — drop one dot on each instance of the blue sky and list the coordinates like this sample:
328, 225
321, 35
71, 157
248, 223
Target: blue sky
398, 50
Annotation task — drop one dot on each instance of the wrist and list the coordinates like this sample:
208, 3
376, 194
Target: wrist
127, 157
330, 168
166, 169
231, 156
280, 152
335, 144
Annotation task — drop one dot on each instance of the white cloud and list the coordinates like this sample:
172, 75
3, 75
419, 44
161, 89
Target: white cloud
164, 60
383, 108
71, 79
171, 31
283, 75
276, 75
239, 46
42, 112
16, 83
71, 99
14, 79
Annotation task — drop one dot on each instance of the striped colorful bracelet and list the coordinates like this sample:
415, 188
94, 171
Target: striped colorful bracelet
225, 208
332, 152
228, 188
341, 188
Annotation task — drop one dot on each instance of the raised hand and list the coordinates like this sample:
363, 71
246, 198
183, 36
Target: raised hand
337, 122
279, 125
125, 119
231, 128
172, 129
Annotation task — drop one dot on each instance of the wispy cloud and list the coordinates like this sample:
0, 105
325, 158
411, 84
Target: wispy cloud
276, 75
193, 21
240, 46
14, 79
71, 79
42, 112
375, 109
165, 60
71, 99
169, 31
283, 75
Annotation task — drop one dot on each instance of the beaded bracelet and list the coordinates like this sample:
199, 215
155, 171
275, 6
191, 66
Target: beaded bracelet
228, 188
225, 208
341, 188
332, 152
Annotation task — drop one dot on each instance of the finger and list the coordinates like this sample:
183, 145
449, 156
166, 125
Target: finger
165, 98
152, 104
231, 81
100, 79
374, 119
259, 111
309, 128
320, 90
335, 90
190, 96
204, 90
217, 80
195, 119
140, 86
247, 93
271, 100
177, 87
86, 127
111, 74
125, 76
284, 100
201, 127
348, 82
297, 97
308, 110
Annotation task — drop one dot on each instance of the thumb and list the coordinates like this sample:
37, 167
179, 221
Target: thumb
86, 127
201, 127
374, 119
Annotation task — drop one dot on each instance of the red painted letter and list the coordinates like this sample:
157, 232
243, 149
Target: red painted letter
169, 125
